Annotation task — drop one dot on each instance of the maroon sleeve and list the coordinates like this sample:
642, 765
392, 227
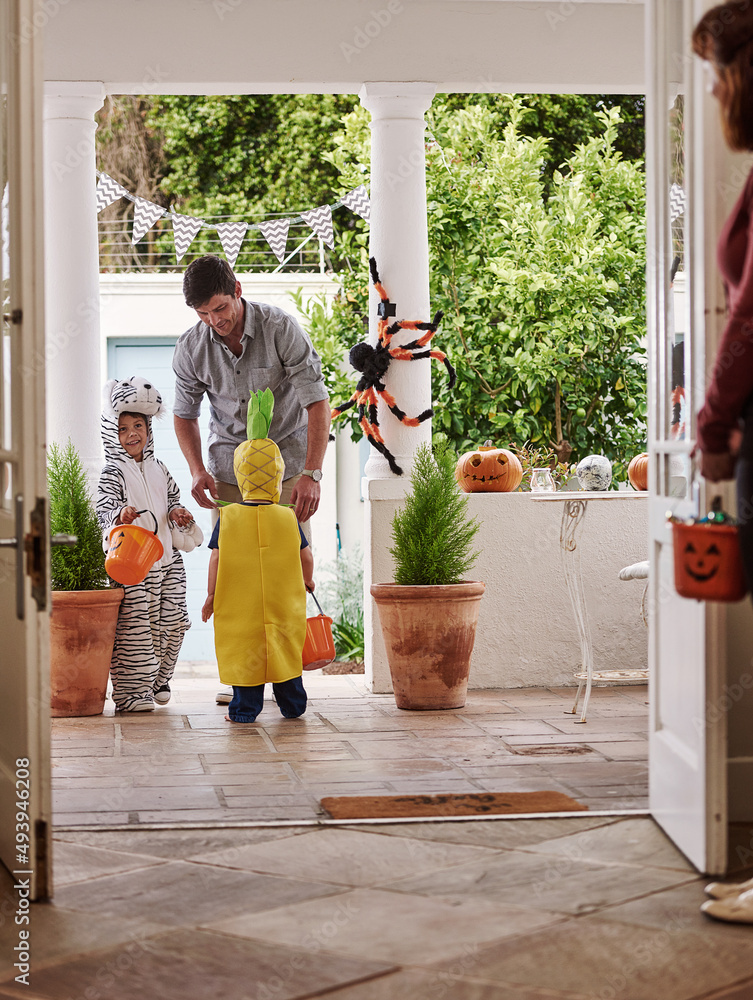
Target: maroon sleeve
732, 375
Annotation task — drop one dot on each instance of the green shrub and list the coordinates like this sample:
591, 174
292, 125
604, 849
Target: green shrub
433, 534
82, 566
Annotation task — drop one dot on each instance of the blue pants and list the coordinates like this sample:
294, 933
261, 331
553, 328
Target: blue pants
248, 701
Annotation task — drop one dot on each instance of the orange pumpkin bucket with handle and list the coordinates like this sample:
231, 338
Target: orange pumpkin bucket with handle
319, 646
133, 551
708, 566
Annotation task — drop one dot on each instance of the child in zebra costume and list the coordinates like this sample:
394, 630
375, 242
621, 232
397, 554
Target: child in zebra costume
153, 616
259, 569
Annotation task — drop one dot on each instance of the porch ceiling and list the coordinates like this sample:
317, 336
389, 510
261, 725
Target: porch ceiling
334, 46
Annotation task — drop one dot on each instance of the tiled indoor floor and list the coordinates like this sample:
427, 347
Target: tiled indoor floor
185, 764
577, 908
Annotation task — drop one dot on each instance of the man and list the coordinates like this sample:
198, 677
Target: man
239, 346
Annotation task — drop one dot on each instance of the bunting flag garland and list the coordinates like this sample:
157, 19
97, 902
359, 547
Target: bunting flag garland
108, 191
357, 201
231, 237
145, 214
231, 234
320, 220
676, 202
185, 228
276, 234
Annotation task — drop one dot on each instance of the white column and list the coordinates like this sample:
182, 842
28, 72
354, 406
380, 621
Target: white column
72, 355
399, 242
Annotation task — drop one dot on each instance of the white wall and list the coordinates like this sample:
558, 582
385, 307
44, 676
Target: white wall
526, 633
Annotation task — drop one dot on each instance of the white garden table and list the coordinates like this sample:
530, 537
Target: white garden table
574, 508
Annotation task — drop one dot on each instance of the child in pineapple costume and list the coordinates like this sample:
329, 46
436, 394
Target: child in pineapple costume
153, 617
259, 569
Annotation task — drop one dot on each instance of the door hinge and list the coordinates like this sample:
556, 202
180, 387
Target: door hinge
35, 546
15, 316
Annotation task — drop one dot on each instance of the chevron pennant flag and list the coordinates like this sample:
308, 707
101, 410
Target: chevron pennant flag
357, 201
676, 202
276, 234
145, 214
108, 191
231, 236
185, 228
320, 220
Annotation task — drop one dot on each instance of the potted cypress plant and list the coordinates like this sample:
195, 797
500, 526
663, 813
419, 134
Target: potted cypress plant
84, 605
429, 614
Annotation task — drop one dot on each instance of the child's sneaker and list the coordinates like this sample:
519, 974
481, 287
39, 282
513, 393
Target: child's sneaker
139, 705
162, 694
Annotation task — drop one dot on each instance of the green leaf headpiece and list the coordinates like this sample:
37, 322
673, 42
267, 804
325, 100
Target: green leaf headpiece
260, 408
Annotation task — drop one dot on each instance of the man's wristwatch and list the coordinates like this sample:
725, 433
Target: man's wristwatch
316, 474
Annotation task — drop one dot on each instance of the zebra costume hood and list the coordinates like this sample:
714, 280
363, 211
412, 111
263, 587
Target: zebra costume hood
146, 481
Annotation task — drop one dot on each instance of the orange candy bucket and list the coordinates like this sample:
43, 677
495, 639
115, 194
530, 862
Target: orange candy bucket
708, 566
319, 646
133, 551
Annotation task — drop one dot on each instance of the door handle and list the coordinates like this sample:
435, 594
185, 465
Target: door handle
30, 553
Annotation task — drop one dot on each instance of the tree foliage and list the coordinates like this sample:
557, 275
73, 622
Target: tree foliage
543, 290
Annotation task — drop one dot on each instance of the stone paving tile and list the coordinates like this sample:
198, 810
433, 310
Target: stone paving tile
202, 966
618, 961
78, 862
177, 844
180, 894
504, 833
412, 984
388, 926
128, 799
347, 857
630, 842
560, 884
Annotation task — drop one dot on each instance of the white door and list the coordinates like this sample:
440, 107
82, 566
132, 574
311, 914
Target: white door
24, 581
687, 751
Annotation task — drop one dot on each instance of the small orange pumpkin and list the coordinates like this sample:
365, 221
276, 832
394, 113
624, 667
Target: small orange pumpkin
638, 471
489, 470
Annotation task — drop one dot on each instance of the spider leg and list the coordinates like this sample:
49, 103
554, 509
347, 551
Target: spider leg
441, 356
337, 410
370, 427
408, 421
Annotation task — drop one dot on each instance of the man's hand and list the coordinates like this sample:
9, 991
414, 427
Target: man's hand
200, 483
305, 498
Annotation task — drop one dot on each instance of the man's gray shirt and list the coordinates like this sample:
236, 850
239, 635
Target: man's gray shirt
275, 354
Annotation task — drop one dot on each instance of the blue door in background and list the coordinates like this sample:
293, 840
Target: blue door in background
152, 358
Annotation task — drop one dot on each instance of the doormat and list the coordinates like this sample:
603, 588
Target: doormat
471, 804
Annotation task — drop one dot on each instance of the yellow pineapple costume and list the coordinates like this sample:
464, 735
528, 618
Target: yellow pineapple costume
260, 599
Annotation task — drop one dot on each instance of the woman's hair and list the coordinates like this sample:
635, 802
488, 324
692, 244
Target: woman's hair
724, 37
206, 277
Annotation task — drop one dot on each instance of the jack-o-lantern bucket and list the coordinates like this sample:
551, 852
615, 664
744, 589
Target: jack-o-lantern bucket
708, 566
133, 551
319, 646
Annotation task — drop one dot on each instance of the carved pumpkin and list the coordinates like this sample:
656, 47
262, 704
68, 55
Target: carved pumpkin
638, 471
707, 560
489, 470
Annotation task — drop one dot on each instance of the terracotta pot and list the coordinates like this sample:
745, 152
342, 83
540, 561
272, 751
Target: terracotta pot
82, 634
429, 634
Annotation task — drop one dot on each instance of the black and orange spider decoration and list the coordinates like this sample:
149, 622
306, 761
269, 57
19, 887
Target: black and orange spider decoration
374, 362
